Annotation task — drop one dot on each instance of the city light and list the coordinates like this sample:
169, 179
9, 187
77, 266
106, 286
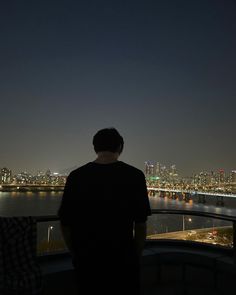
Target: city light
169, 178
158, 176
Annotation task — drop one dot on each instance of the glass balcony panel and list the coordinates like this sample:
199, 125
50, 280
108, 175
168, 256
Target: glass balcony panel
49, 238
192, 228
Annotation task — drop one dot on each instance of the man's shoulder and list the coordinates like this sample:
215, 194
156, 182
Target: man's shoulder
80, 170
125, 167
132, 169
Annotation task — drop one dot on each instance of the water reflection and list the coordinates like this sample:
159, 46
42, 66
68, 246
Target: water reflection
47, 203
165, 203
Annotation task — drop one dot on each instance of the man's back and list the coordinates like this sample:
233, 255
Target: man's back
103, 217
101, 202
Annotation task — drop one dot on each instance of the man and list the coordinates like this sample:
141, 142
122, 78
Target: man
103, 217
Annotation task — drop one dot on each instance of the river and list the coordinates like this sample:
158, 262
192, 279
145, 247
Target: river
47, 203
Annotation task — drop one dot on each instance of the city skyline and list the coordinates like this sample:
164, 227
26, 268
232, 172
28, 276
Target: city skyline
149, 168
161, 72
158, 176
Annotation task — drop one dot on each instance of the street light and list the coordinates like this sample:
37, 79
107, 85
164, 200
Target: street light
49, 231
188, 219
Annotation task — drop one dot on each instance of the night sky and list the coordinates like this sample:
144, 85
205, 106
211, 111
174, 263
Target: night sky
162, 72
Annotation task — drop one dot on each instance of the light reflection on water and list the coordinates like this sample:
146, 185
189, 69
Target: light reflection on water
47, 203
229, 207
29, 203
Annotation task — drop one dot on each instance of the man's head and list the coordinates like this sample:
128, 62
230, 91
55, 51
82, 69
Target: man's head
108, 139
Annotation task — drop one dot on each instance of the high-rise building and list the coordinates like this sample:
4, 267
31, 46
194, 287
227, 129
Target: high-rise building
221, 175
149, 169
23, 178
158, 169
173, 175
48, 173
233, 176
146, 168
5, 175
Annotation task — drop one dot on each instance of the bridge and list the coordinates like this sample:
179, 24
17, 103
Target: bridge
188, 194
192, 192
31, 187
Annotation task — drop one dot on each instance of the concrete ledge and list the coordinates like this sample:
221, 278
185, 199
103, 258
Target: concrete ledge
165, 269
54, 263
186, 269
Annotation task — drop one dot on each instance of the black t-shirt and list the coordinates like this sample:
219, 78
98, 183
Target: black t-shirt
101, 202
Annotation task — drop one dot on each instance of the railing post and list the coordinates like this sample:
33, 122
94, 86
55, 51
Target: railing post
234, 241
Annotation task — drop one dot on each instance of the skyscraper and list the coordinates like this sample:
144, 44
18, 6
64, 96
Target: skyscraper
6, 175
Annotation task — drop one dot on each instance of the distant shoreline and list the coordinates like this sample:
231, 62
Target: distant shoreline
44, 188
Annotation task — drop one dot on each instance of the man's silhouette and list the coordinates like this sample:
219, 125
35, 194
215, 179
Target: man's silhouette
103, 217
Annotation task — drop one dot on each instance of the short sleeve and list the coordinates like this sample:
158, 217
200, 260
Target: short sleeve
66, 206
142, 205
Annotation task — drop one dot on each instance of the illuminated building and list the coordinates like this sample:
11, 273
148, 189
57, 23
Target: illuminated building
6, 175
233, 176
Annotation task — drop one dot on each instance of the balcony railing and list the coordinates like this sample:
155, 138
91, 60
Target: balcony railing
208, 264
190, 227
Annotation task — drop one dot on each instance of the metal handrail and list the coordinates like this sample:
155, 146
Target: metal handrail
176, 212
44, 218
203, 214
196, 213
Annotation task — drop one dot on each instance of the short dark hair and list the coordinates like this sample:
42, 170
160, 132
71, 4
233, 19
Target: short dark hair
108, 139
